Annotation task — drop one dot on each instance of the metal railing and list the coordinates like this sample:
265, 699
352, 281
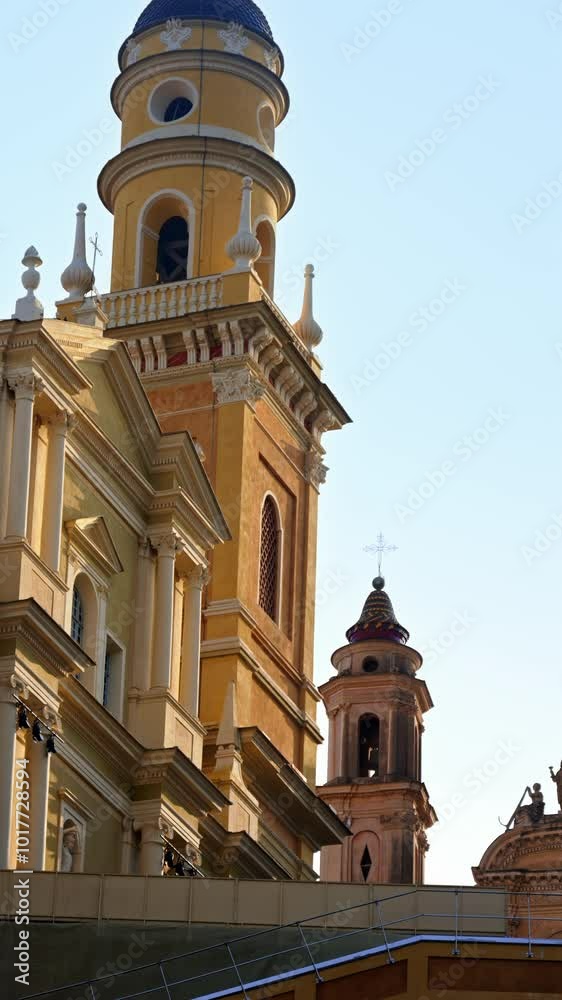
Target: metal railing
243, 963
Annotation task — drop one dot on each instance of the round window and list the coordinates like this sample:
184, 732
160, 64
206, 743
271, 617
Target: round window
179, 107
172, 101
370, 666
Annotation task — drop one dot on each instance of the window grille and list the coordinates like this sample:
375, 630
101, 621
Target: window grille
77, 624
269, 558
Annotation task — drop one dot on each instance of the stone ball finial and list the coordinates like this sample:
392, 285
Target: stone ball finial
29, 307
307, 328
244, 248
78, 278
378, 583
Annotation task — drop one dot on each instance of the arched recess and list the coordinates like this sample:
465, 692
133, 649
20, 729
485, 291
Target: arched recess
265, 265
271, 557
84, 622
168, 215
369, 746
365, 857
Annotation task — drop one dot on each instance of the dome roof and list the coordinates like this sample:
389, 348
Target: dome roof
243, 12
378, 620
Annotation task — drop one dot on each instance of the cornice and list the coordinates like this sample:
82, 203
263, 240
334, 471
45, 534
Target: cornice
37, 339
190, 60
196, 151
100, 730
235, 646
26, 621
181, 777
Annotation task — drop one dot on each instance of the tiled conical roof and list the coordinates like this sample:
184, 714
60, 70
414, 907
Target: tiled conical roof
378, 620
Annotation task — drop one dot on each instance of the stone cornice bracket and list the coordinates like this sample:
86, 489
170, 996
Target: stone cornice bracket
26, 385
315, 471
258, 342
18, 687
244, 248
236, 387
78, 278
321, 423
29, 307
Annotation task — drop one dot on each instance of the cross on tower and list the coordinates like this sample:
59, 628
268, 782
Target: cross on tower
97, 250
381, 547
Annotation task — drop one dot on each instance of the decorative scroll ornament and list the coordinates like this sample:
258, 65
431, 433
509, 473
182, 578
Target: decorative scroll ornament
132, 51
29, 307
314, 469
237, 387
235, 41
271, 56
175, 34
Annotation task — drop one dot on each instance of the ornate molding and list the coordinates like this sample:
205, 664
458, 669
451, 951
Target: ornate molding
26, 385
175, 34
234, 38
237, 386
315, 471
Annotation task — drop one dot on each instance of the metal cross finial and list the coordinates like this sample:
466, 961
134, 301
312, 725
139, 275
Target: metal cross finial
380, 548
97, 250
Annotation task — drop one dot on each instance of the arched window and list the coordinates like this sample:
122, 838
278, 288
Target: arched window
265, 265
77, 621
269, 559
369, 747
173, 251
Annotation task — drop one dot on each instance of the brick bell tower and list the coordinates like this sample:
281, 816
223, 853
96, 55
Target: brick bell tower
376, 706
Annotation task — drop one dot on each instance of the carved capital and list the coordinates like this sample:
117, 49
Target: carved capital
315, 471
63, 423
237, 386
167, 546
198, 578
26, 386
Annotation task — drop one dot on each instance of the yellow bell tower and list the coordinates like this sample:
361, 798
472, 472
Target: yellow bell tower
197, 195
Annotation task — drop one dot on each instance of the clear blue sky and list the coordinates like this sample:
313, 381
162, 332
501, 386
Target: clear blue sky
416, 388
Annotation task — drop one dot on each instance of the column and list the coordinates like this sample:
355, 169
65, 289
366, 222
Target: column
25, 388
191, 639
164, 617
343, 747
6, 434
177, 637
144, 621
152, 849
59, 427
40, 768
7, 773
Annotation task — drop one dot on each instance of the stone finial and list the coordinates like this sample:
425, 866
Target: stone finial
29, 308
244, 248
228, 730
307, 328
78, 278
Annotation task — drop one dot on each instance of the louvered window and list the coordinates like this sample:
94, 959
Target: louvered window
77, 625
269, 558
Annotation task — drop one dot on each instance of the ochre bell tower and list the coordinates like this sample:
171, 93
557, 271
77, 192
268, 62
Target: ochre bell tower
376, 706
197, 195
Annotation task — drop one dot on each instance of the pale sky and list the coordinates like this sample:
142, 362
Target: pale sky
419, 146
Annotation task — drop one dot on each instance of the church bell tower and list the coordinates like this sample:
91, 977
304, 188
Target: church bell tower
376, 706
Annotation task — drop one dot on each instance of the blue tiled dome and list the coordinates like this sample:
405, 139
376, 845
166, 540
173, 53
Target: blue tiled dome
243, 12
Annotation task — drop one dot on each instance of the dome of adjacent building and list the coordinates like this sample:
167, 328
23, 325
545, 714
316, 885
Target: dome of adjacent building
378, 620
243, 12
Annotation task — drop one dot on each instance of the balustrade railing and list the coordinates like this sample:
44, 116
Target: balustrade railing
158, 302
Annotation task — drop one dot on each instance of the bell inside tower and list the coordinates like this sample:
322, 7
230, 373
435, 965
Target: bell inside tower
369, 746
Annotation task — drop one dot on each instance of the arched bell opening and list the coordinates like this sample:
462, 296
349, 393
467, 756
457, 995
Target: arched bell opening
369, 747
165, 241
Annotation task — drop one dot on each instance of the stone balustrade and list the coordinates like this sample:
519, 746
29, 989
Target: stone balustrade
158, 302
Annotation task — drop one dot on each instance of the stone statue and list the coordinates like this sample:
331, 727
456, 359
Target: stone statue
536, 810
557, 779
70, 847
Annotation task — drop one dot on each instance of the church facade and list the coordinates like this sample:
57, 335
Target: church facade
164, 448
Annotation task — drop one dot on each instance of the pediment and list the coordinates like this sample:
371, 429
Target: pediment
91, 537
